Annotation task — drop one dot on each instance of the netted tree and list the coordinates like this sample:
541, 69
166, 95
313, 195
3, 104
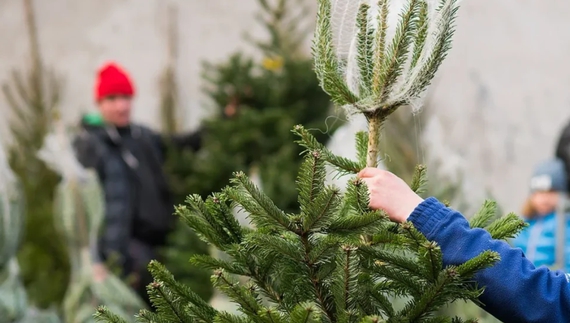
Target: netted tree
79, 210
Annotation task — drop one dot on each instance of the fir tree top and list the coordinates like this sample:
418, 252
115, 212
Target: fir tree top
385, 66
11, 207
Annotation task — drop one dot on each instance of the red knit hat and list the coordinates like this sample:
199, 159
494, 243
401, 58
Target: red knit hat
112, 80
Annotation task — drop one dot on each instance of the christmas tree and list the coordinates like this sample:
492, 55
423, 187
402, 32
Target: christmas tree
256, 103
14, 303
32, 96
179, 166
334, 259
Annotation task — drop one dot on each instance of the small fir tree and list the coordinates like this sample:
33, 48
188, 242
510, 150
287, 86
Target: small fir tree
32, 96
14, 303
255, 106
333, 259
185, 242
169, 108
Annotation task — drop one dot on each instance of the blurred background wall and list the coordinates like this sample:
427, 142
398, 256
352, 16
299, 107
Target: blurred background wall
76, 37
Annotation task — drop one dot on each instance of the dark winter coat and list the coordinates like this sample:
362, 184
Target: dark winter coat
138, 206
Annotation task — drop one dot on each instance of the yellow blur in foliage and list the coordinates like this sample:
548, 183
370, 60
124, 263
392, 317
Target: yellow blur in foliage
273, 63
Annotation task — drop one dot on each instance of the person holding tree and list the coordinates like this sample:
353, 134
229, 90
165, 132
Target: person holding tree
515, 290
128, 158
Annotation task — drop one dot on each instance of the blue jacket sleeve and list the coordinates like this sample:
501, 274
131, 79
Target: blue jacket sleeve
515, 291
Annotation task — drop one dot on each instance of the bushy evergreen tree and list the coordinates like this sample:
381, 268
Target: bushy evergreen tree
255, 105
314, 265
333, 259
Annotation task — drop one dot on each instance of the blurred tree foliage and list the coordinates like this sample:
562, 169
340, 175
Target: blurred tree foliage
256, 103
32, 97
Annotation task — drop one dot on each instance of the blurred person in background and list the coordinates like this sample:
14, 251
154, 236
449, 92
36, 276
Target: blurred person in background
128, 159
546, 239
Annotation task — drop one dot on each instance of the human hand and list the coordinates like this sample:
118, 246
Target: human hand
100, 272
390, 193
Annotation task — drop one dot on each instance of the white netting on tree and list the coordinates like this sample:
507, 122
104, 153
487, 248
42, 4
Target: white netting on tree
344, 14
57, 152
11, 212
79, 209
416, 34
78, 203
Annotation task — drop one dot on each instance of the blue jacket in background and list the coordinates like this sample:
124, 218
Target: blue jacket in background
515, 290
538, 241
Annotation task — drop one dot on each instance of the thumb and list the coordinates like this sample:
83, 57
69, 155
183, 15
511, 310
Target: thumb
369, 172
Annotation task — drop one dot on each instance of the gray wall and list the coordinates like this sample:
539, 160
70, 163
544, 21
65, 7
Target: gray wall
496, 107
502, 96
77, 36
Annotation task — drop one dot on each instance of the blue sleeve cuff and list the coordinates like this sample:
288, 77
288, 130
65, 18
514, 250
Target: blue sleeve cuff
428, 216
